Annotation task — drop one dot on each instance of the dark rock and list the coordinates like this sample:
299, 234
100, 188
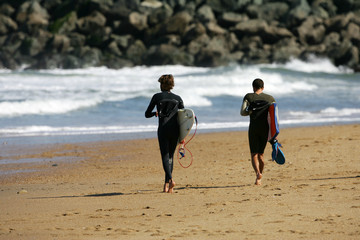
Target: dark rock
138, 21
32, 16
166, 54
13, 42
205, 14
177, 24
64, 25
286, 49
159, 14
214, 29
300, 10
230, 19
8, 61
339, 22
123, 42
60, 43
76, 39
86, 25
249, 28
136, 52
118, 33
193, 32
311, 31
7, 25
91, 57
6, 9
71, 62
268, 11
352, 33
197, 44
228, 5
117, 63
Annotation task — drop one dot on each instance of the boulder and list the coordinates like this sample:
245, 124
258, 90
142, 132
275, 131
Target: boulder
268, 11
311, 31
352, 33
138, 21
32, 16
326, 6
87, 24
339, 22
123, 41
166, 54
220, 6
34, 45
113, 48
7, 25
300, 10
286, 49
215, 53
205, 14
250, 28
76, 39
230, 19
197, 44
177, 24
136, 52
65, 24
6, 9
214, 29
13, 42
7, 60
193, 32
60, 43
91, 57
159, 14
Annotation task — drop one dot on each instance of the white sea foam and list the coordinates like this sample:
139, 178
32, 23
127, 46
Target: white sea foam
43, 107
102, 100
58, 91
325, 113
313, 64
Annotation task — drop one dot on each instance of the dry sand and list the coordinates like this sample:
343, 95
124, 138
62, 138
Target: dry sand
113, 190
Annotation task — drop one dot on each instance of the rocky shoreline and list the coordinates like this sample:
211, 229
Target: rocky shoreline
45, 34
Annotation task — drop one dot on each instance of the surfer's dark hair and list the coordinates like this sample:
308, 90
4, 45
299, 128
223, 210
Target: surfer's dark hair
258, 83
167, 82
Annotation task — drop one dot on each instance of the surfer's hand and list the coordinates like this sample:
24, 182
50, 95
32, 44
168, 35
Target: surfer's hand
156, 114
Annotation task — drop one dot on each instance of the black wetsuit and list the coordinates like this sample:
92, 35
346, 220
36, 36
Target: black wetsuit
167, 105
259, 127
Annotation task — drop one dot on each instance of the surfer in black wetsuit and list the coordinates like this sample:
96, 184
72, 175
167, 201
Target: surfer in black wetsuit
167, 105
256, 105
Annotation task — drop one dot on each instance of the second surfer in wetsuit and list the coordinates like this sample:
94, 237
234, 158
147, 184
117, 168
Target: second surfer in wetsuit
167, 105
256, 105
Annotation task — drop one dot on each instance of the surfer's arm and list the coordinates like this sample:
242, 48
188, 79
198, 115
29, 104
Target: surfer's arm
244, 108
149, 111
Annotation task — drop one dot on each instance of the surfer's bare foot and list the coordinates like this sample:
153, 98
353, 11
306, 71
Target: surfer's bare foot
258, 179
171, 186
166, 187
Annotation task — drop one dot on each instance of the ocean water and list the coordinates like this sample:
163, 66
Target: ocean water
101, 104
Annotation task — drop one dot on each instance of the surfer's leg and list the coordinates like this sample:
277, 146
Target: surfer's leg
256, 165
173, 141
261, 162
166, 160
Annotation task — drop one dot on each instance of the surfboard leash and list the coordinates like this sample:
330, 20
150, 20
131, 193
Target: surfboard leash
182, 147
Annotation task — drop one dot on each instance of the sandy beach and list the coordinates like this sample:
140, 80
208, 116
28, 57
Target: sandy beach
113, 190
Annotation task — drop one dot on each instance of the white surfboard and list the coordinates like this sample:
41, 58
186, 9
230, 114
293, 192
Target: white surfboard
186, 119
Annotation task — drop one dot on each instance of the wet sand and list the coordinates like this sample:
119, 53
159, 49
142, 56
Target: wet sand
113, 190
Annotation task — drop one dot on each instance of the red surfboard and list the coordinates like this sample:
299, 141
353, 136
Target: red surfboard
274, 130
